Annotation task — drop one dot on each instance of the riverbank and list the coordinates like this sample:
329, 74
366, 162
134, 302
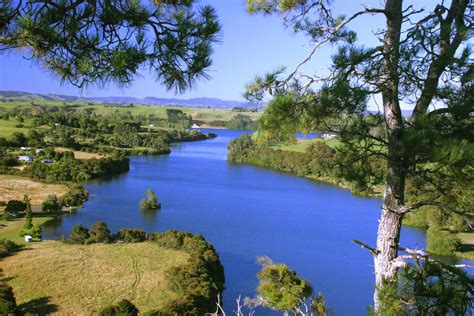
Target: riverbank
316, 160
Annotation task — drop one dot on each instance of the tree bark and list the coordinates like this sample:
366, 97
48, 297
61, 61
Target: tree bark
388, 233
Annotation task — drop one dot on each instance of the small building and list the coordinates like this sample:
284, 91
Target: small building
26, 158
28, 238
47, 160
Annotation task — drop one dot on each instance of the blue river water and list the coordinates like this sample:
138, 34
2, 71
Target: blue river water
245, 212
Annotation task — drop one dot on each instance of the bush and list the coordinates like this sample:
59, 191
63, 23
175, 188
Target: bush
131, 235
441, 241
34, 232
122, 308
79, 235
7, 300
51, 204
99, 233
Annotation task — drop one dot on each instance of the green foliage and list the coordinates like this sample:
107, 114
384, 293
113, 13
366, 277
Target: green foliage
437, 288
99, 233
34, 232
281, 288
199, 282
68, 168
51, 204
441, 241
390, 303
75, 196
131, 235
7, 247
15, 206
151, 202
122, 308
28, 213
113, 40
7, 300
79, 235
428, 288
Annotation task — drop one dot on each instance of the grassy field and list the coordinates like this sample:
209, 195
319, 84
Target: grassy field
467, 246
62, 279
15, 187
11, 229
81, 155
302, 144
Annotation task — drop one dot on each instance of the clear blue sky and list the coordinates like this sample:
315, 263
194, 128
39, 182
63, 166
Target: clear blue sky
251, 44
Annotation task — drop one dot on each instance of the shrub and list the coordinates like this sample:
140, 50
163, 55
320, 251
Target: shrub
34, 232
131, 235
7, 300
99, 233
122, 308
441, 241
79, 235
51, 204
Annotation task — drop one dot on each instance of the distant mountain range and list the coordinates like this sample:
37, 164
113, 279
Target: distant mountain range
195, 102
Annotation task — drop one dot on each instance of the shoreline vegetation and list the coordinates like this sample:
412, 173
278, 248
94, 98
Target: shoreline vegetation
316, 160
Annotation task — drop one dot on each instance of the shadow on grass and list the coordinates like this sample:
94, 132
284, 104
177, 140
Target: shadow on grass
38, 306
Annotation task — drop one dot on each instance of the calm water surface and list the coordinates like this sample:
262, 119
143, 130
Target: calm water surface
247, 212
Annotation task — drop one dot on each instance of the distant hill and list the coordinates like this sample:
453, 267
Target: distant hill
195, 102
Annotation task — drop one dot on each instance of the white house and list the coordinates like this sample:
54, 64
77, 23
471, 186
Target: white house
28, 238
26, 158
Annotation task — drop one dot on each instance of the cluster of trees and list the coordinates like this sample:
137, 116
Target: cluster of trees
85, 130
75, 196
319, 161
67, 168
151, 201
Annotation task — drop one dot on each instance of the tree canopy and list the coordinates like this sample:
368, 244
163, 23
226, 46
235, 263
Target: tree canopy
97, 42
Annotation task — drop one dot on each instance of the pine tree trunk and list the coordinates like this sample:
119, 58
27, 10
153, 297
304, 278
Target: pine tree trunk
388, 233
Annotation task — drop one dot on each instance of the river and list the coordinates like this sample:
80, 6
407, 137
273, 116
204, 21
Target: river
245, 212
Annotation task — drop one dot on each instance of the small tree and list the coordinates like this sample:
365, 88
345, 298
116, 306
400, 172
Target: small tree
51, 204
79, 235
15, 207
151, 202
280, 288
28, 213
100, 233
